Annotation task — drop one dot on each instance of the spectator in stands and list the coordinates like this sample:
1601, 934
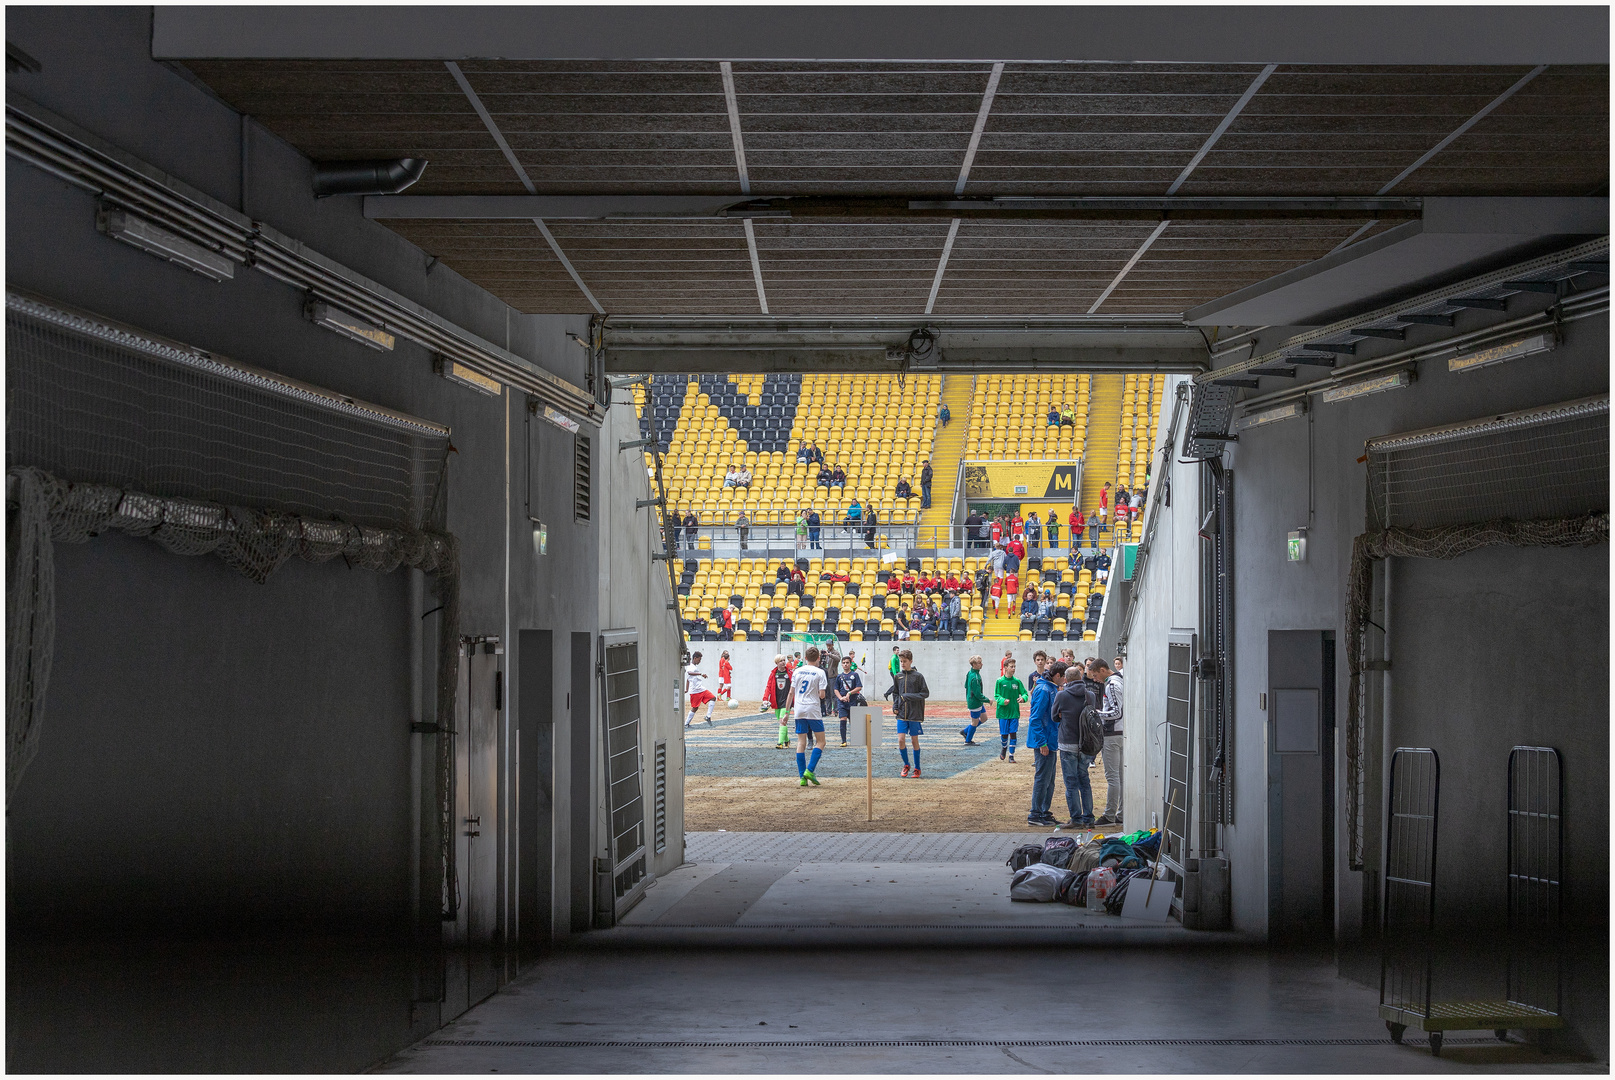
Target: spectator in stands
1101, 567
998, 530
824, 476
692, 527
1137, 506
1029, 602
813, 528
903, 624
995, 593
743, 527
1034, 530
728, 632
995, 561
903, 490
870, 523
894, 584
1053, 529
1016, 547
984, 580
955, 611
943, 415
743, 477
798, 581
1104, 505
855, 512
1054, 416
783, 572
801, 530
1123, 503
815, 454
973, 524
1068, 416
925, 487
909, 582
1016, 525
1077, 523
729, 477
838, 477
1012, 590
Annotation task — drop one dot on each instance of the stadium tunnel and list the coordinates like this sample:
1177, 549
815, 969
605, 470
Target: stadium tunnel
334, 297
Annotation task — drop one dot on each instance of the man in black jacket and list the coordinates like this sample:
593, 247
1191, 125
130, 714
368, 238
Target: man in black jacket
908, 693
1075, 697
925, 487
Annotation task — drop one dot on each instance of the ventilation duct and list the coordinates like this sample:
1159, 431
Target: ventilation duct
384, 177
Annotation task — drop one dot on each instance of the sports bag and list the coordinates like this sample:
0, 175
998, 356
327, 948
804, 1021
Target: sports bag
1073, 889
1024, 856
1036, 883
1057, 851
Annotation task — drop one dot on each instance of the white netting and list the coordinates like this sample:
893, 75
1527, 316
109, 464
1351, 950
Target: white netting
1551, 462
90, 401
43, 509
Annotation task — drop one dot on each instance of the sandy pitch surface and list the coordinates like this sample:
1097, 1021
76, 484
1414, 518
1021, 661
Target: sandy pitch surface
991, 797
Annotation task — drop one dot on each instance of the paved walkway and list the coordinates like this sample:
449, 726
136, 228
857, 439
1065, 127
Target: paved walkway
727, 847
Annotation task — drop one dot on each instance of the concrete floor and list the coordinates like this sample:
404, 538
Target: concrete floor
945, 1007
808, 953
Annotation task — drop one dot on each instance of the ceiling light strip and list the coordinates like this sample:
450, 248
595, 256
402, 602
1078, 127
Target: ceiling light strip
1137, 255
727, 70
1233, 114
493, 128
1465, 126
942, 265
549, 238
981, 125
756, 264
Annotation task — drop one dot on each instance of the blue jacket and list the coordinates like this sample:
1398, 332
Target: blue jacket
1044, 731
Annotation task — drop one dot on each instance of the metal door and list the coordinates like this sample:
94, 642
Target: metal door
1300, 772
474, 955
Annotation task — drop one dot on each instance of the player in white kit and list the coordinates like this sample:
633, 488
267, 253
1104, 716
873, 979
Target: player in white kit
808, 687
695, 685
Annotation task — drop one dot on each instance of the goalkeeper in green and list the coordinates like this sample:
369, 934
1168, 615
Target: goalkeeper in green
1008, 693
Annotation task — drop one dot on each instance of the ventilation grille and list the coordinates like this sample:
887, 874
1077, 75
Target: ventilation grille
581, 509
660, 826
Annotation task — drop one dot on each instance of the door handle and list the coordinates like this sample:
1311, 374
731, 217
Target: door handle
477, 823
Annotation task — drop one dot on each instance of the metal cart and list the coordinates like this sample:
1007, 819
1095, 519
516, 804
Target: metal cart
1535, 833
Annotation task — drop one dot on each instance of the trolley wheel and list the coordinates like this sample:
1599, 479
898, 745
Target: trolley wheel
1435, 1043
1396, 1030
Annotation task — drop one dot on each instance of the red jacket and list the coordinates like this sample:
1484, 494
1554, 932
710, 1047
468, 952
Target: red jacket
770, 699
894, 584
1017, 547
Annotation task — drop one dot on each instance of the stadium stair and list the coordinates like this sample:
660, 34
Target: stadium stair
1104, 428
947, 449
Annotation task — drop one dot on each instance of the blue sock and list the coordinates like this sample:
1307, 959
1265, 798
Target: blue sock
904, 751
801, 762
1003, 740
916, 757
1012, 746
813, 762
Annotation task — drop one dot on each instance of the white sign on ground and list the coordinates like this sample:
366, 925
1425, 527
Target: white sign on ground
1148, 904
855, 729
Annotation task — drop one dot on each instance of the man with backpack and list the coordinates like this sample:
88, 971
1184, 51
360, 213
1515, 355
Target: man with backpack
1110, 714
1041, 737
1080, 739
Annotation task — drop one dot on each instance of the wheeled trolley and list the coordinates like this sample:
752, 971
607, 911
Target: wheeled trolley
1535, 834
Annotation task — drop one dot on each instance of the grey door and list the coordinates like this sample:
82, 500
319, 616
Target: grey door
1300, 792
473, 957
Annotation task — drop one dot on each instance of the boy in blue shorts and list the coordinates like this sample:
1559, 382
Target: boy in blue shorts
908, 694
1008, 693
849, 693
975, 701
806, 702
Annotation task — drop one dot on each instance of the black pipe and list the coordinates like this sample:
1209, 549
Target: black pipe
385, 177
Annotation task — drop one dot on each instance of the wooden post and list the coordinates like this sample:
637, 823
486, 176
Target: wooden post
869, 767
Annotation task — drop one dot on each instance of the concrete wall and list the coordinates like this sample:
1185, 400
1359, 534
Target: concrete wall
943, 663
1451, 687
220, 757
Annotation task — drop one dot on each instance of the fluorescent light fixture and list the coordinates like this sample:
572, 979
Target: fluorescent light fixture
1269, 416
561, 420
456, 372
1496, 354
349, 326
1394, 381
140, 233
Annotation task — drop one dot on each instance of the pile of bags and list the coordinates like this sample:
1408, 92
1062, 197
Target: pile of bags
1060, 871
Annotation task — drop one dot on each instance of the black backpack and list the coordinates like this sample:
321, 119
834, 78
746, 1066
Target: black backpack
1025, 856
1093, 732
1057, 851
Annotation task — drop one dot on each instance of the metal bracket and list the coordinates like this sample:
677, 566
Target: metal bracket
635, 445
640, 504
